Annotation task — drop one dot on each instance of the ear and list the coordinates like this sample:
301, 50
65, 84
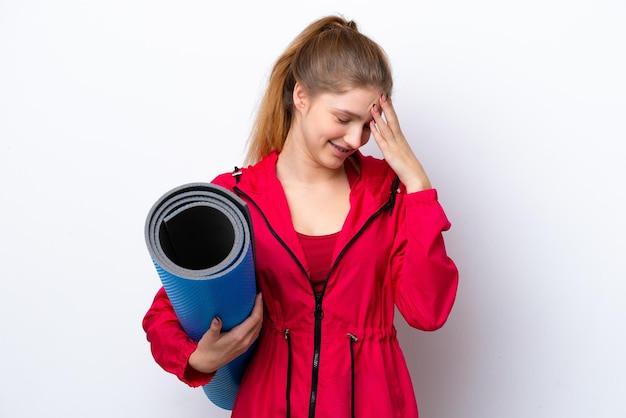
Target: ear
300, 96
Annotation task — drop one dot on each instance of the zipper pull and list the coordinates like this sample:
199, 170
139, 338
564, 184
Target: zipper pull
237, 174
319, 313
393, 191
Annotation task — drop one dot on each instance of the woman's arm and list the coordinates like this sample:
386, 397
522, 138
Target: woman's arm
424, 278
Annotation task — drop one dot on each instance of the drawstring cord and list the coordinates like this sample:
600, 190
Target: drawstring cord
353, 338
288, 392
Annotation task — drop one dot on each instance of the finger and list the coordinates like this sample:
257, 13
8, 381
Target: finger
257, 310
214, 331
256, 316
390, 113
378, 126
251, 326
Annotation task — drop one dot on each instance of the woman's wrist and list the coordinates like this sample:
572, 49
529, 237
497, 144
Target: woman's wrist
200, 362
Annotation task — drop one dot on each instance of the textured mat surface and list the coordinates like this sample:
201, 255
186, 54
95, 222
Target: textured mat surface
200, 239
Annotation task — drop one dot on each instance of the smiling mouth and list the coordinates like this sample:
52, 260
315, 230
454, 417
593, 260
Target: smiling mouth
337, 147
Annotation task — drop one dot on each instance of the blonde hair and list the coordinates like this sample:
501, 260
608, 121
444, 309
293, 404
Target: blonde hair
329, 55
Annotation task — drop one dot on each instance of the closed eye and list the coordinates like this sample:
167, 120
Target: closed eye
347, 121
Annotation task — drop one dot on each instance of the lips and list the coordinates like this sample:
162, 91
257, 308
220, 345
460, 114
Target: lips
340, 149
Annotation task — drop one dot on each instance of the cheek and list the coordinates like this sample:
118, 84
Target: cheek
333, 131
322, 128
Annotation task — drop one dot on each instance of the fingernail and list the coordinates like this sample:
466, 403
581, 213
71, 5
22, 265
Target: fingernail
383, 97
375, 108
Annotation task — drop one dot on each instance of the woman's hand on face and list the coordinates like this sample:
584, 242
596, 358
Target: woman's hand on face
395, 148
216, 349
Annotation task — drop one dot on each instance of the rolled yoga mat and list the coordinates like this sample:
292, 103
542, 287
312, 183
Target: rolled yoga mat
199, 236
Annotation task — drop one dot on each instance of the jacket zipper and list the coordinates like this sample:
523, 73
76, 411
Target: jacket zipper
319, 312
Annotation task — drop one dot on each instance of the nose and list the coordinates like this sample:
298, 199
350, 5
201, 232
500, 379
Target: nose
357, 136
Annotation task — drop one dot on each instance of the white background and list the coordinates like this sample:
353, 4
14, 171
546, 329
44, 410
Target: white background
517, 110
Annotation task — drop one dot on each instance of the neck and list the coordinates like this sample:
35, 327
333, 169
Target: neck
292, 170
294, 165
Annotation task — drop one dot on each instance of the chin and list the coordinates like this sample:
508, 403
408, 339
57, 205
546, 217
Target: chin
335, 162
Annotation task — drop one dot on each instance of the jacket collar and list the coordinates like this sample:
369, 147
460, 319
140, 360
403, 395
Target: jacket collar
368, 194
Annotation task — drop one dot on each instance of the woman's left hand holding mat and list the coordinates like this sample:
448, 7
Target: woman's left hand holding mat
216, 349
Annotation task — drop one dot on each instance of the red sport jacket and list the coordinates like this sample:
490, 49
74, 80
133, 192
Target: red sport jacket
335, 355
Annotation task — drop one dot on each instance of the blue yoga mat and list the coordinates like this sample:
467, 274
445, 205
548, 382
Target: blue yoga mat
199, 236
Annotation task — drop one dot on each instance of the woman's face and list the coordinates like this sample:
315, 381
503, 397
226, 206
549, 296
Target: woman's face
329, 127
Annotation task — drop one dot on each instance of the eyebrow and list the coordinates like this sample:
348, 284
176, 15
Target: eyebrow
352, 114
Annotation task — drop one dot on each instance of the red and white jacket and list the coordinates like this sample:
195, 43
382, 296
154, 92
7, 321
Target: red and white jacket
333, 355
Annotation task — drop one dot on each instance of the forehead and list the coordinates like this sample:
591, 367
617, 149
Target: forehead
357, 101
